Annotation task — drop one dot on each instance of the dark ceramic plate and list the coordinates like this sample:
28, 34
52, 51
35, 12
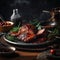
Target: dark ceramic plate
30, 45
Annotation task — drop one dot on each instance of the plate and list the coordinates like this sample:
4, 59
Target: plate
30, 45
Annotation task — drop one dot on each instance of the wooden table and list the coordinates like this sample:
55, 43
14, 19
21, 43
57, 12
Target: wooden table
22, 56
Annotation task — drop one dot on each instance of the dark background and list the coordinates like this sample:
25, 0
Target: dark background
27, 8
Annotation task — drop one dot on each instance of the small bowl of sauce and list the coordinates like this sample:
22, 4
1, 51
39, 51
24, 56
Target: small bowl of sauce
6, 26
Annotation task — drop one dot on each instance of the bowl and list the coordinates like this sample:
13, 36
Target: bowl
7, 51
6, 26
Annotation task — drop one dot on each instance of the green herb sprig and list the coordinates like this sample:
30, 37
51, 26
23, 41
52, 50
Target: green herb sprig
15, 28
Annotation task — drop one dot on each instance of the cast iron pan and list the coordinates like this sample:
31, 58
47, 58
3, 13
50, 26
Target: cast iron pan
30, 45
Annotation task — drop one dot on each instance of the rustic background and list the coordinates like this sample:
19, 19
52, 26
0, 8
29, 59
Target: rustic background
27, 8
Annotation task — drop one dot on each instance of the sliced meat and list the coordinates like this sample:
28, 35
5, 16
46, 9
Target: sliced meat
26, 36
40, 32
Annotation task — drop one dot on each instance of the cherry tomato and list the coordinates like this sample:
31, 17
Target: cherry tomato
52, 51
